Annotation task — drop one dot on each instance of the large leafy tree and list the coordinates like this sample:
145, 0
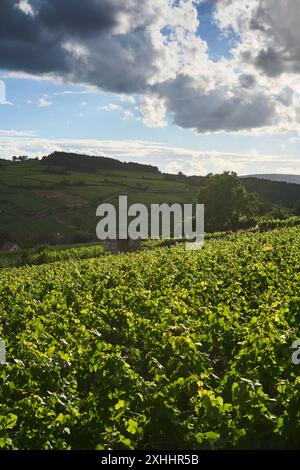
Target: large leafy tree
226, 200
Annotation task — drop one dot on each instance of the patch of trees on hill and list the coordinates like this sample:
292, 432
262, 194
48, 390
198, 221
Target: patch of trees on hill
87, 163
228, 203
274, 192
270, 192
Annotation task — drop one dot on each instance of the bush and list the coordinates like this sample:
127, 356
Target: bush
271, 224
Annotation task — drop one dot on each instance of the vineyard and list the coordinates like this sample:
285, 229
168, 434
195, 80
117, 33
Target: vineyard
161, 349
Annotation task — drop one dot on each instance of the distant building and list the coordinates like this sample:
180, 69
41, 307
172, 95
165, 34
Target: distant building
10, 247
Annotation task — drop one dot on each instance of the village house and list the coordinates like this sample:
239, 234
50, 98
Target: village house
10, 247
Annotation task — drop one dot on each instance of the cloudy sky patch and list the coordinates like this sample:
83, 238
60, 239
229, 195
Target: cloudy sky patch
186, 73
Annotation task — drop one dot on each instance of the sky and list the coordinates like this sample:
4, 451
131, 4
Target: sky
187, 85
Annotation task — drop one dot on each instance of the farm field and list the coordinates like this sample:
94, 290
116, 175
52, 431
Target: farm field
161, 349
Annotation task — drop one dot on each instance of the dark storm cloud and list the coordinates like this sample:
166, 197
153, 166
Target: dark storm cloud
25, 45
36, 43
14, 55
215, 110
15, 26
56, 17
270, 61
76, 17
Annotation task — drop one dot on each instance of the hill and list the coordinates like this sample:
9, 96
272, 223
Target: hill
281, 178
274, 192
79, 162
55, 199
3, 161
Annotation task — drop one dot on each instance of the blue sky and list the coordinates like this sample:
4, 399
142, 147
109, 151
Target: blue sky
60, 114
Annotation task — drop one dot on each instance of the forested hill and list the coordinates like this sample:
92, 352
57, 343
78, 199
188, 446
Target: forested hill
278, 177
89, 163
274, 192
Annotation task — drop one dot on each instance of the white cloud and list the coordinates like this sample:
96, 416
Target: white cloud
127, 115
14, 133
86, 91
17, 75
44, 103
25, 7
153, 110
109, 107
76, 49
270, 36
126, 99
167, 158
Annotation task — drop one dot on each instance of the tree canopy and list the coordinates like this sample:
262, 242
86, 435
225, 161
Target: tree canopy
226, 200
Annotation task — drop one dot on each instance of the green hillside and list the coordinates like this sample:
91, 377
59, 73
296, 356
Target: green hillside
54, 200
38, 201
274, 192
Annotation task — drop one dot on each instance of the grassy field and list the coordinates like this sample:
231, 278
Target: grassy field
162, 349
